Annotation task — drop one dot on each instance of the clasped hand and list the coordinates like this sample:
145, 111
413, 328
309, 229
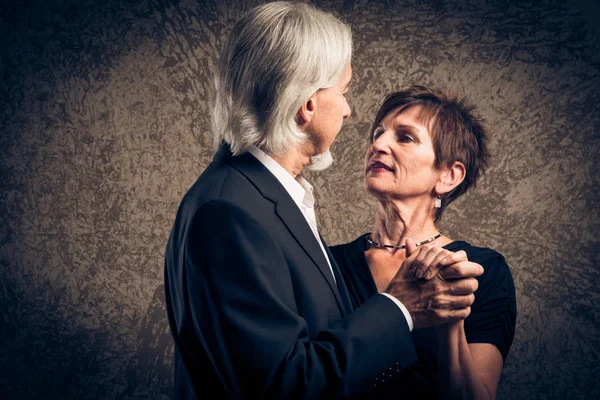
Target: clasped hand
435, 285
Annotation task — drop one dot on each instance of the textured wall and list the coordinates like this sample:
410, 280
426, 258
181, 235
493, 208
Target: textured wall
103, 116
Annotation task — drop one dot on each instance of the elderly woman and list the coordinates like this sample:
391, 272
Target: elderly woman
426, 149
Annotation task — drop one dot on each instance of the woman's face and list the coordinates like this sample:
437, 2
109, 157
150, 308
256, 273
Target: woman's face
400, 163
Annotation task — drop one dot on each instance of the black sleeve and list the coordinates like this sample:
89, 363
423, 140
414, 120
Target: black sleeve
494, 312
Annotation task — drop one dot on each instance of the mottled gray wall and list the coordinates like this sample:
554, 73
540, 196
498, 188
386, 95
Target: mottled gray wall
103, 116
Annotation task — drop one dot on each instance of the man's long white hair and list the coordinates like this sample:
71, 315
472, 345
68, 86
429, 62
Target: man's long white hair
278, 55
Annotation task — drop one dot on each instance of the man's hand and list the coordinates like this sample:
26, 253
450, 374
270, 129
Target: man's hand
436, 298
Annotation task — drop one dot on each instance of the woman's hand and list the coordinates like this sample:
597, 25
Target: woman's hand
432, 259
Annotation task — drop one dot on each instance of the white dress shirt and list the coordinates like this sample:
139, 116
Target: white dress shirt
302, 193
299, 190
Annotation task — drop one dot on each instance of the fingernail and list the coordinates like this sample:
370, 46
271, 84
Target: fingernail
481, 270
428, 275
420, 273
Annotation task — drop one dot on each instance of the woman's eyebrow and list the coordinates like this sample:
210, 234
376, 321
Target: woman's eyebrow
409, 128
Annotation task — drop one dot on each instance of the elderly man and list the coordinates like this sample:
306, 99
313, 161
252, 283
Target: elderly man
256, 304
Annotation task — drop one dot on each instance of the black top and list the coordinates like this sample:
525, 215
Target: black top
492, 319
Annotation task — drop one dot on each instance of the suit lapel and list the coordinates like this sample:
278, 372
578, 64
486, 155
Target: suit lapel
343, 289
286, 210
293, 218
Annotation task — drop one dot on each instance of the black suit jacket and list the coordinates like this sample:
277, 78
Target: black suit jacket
252, 304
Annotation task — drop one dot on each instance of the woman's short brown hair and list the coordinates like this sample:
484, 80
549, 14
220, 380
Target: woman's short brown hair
457, 132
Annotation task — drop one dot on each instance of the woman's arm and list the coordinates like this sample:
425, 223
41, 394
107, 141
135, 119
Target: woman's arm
467, 371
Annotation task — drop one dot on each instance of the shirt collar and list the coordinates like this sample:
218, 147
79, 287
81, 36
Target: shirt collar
299, 189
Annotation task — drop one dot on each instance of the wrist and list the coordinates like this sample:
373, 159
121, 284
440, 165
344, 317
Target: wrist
451, 329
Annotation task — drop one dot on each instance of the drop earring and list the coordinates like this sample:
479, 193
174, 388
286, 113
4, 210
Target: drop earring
438, 202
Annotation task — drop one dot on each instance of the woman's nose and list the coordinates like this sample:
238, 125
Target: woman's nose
381, 144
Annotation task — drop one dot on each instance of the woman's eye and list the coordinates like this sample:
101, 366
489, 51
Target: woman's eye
376, 133
406, 138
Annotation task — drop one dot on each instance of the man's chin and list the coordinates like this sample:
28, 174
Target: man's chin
320, 162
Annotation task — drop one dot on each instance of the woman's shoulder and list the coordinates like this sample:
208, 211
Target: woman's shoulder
496, 271
475, 253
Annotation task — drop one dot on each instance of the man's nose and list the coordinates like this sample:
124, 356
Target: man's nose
348, 111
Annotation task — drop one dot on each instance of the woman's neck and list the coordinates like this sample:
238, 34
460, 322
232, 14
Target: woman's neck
395, 222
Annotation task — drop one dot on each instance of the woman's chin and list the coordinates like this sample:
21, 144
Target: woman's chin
376, 189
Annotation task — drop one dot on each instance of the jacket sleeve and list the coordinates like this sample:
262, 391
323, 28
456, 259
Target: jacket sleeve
241, 297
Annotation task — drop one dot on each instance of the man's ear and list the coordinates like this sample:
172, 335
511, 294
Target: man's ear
450, 177
306, 112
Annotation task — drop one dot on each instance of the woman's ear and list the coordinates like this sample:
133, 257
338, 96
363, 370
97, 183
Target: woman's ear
450, 177
306, 112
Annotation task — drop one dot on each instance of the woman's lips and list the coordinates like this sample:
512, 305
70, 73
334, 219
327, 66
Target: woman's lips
378, 166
